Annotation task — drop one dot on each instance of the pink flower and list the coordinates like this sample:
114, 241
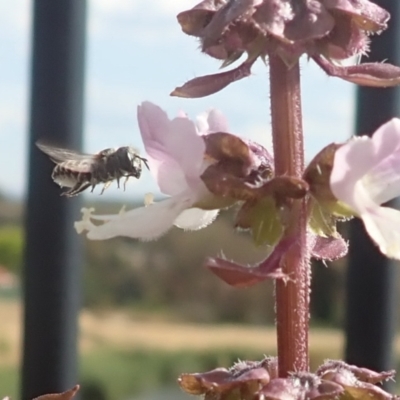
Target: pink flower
176, 155
366, 174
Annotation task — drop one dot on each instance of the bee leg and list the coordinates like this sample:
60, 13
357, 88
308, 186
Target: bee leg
93, 183
67, 193
126, 180
75, 190
106, 185
118, 182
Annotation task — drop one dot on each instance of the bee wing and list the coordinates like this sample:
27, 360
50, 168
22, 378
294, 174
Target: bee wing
70, 159
58, 155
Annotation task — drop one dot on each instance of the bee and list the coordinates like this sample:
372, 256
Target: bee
79, 171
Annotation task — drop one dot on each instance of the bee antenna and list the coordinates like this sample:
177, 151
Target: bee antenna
145, 162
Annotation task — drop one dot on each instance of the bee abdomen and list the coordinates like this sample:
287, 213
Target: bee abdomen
66, 177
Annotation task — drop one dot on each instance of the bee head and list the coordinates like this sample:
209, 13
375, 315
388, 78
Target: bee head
135, 159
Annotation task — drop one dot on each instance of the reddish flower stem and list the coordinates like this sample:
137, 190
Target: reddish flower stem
292, 298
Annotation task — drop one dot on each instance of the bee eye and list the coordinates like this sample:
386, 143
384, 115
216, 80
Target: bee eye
131, 156
134, 159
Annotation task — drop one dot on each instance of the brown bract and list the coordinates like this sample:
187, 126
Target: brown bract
239, 167
67, 395
362, 374
323, 208
241, 172
318, 173
328, 248
259, 380
358, 383
243, 379
301, 385
326, 30
240, 276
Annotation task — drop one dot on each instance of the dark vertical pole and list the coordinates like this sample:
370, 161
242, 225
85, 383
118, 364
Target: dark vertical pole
371, 277
53, 250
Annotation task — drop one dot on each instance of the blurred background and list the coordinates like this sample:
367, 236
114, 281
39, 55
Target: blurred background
150, 311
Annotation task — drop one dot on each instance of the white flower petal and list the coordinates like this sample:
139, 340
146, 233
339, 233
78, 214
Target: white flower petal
383, 182
202, 123
345, 170
169, 176
386, 139
148, 199
383, 177
186, 146
144, 223
85, 223
88, 215
383, 225
211, 121
365, 174
373, 161
195, 218
217, 122
174, 148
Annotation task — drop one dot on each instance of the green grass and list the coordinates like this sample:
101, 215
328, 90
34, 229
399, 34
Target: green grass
9, 382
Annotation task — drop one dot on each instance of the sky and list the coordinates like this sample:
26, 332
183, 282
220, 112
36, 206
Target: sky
136, 51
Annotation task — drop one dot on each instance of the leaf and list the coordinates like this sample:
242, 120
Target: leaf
366, 74
238, 275
209, 84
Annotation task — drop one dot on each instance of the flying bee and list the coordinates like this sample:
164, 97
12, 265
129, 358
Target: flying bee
80, 171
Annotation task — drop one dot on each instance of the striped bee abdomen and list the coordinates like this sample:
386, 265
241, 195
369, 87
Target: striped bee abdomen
81, 171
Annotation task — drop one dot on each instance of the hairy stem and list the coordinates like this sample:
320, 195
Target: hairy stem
292, 298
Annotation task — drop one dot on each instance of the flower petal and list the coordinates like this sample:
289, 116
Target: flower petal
382, 224
211, 122
146, 223
351, 184
195, 218
345, 171
174, 148
377, 168
383, 180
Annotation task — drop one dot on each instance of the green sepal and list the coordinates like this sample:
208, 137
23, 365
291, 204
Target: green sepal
263, 219
322, 222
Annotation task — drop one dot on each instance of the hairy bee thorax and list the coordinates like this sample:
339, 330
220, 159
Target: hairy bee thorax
79, 171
